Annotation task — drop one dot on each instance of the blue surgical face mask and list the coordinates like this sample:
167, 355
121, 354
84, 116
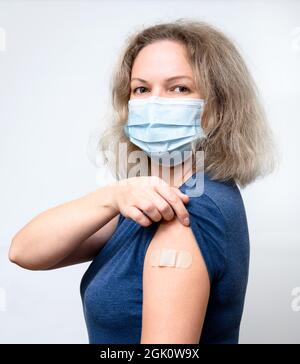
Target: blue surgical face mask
162, 125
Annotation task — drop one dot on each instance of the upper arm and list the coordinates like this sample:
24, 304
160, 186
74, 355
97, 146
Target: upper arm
174, 299
88, 249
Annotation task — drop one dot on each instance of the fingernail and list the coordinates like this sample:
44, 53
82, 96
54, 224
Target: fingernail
186, 221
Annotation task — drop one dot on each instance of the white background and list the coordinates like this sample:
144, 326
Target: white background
55, 68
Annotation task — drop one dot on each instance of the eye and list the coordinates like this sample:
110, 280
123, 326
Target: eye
182, 87
141, 87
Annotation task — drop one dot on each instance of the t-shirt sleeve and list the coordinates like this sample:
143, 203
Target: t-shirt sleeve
209, 228
120, 220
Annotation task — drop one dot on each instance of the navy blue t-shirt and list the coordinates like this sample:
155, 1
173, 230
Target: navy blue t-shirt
112, 287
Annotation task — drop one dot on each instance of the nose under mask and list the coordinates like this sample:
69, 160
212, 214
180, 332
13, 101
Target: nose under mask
165, 128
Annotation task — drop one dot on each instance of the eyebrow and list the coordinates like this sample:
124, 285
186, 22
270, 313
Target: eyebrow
168, 79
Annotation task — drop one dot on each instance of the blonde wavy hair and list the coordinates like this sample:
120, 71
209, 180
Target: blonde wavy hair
239, 144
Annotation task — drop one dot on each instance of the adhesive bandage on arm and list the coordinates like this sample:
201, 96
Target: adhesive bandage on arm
170, 258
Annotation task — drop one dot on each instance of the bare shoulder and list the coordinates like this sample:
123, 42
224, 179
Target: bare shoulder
176, 297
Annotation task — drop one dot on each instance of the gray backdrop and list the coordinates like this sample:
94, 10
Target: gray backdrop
55, 63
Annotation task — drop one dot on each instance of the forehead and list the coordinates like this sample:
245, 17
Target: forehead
161, 59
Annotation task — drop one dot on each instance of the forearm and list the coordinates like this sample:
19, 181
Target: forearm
55, 233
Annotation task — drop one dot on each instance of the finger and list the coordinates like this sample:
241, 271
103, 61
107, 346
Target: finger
183, 196
164, 208
176, 203
149, 208
135, 214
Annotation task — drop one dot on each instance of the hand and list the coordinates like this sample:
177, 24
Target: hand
146, 199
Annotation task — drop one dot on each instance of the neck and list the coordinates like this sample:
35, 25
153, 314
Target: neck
174, 176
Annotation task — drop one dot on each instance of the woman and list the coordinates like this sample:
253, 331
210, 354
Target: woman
178, 87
